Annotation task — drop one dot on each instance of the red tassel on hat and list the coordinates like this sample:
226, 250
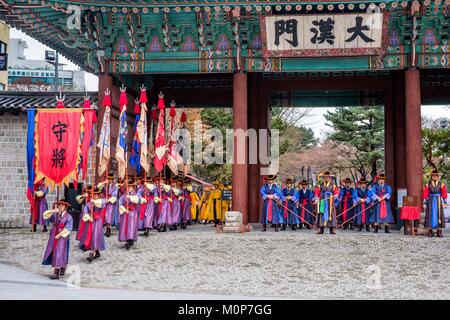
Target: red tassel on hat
137, 108
183, 118
60, 104
123, 98
143, 98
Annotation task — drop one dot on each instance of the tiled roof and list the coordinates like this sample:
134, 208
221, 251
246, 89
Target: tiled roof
17, 101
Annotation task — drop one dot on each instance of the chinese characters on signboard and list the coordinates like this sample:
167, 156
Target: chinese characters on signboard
325, 35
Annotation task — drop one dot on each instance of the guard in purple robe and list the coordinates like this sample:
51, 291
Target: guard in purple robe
271, 194
177, 194
39, 206
57, 251
346, 204
92, 238
288, 210
82, 199
186, 204
326, 195
434, 197
112, 206
362, 198
382, 213
129, 214
147, 219
304, 199
165, 206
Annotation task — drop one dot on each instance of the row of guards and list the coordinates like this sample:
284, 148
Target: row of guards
366, 205
60, 141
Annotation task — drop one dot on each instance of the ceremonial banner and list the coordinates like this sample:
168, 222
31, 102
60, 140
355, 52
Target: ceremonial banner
87, 141
174, 157
160, 159
142, 132
58, 146
121, 145
353, 34
31, 113
104, 143
135, 160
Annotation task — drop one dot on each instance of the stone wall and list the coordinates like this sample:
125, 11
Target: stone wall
14, 205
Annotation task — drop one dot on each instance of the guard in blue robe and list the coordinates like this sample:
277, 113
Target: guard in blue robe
326, 195
362, 199
304, 202
434, 197
382, 212
271, 194
288, 200
345, 204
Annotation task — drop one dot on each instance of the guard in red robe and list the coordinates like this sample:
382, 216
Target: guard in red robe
434, 196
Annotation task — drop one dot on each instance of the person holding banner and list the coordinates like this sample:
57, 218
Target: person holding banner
111, 194
304, 199
129, 214
434, 196
186, 204
57, 250
164, 208
288, 199
39, 206
83, 199
147, 219
346, 204
362, 197
92, 238
382, 213
327, 199
271, 194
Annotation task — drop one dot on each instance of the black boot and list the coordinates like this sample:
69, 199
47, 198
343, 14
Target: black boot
376, 229
44, 228
127, 245
351, 227
146, 232
430, 233
264, 227
283, 227
367, 228
108, 231
321, 230
183, 225
439, 233
62, 271
90, 257
293, 227
360, 228
276, 228
97, 255
55, 274
332, 230
386, 229
300, 226
33, 228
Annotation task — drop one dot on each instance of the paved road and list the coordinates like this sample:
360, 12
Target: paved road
289, 264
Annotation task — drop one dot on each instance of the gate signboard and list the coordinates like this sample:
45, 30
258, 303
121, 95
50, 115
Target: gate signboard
359, 34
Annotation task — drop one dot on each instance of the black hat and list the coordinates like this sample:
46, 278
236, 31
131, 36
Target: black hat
111, 176
348, 180
381, 176
271, 177
304, 182
64, 202
96, 191
288, 180
362, 180
326, 174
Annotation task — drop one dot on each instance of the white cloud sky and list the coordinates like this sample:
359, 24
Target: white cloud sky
36, 50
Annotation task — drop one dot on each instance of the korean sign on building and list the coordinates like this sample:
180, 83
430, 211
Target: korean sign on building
325, 35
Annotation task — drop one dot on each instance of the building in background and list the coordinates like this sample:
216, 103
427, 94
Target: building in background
38, 75
4, 41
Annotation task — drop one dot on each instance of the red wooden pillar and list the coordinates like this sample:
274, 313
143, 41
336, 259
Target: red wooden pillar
389, 123
253, 168
240, 121
413, 134
400, 130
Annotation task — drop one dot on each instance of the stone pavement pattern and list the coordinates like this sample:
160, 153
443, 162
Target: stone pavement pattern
289, 264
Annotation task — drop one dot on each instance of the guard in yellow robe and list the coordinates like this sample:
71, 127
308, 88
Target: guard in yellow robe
205, 205
216, 203
195, 202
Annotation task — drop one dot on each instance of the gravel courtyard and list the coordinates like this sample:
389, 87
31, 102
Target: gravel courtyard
288, 264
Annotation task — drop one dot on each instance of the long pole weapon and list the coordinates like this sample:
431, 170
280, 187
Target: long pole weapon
375, 203
292, 212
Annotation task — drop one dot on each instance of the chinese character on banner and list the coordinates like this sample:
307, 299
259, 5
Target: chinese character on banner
58, 145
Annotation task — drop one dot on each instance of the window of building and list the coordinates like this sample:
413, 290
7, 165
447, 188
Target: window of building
2, 87
3, 47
